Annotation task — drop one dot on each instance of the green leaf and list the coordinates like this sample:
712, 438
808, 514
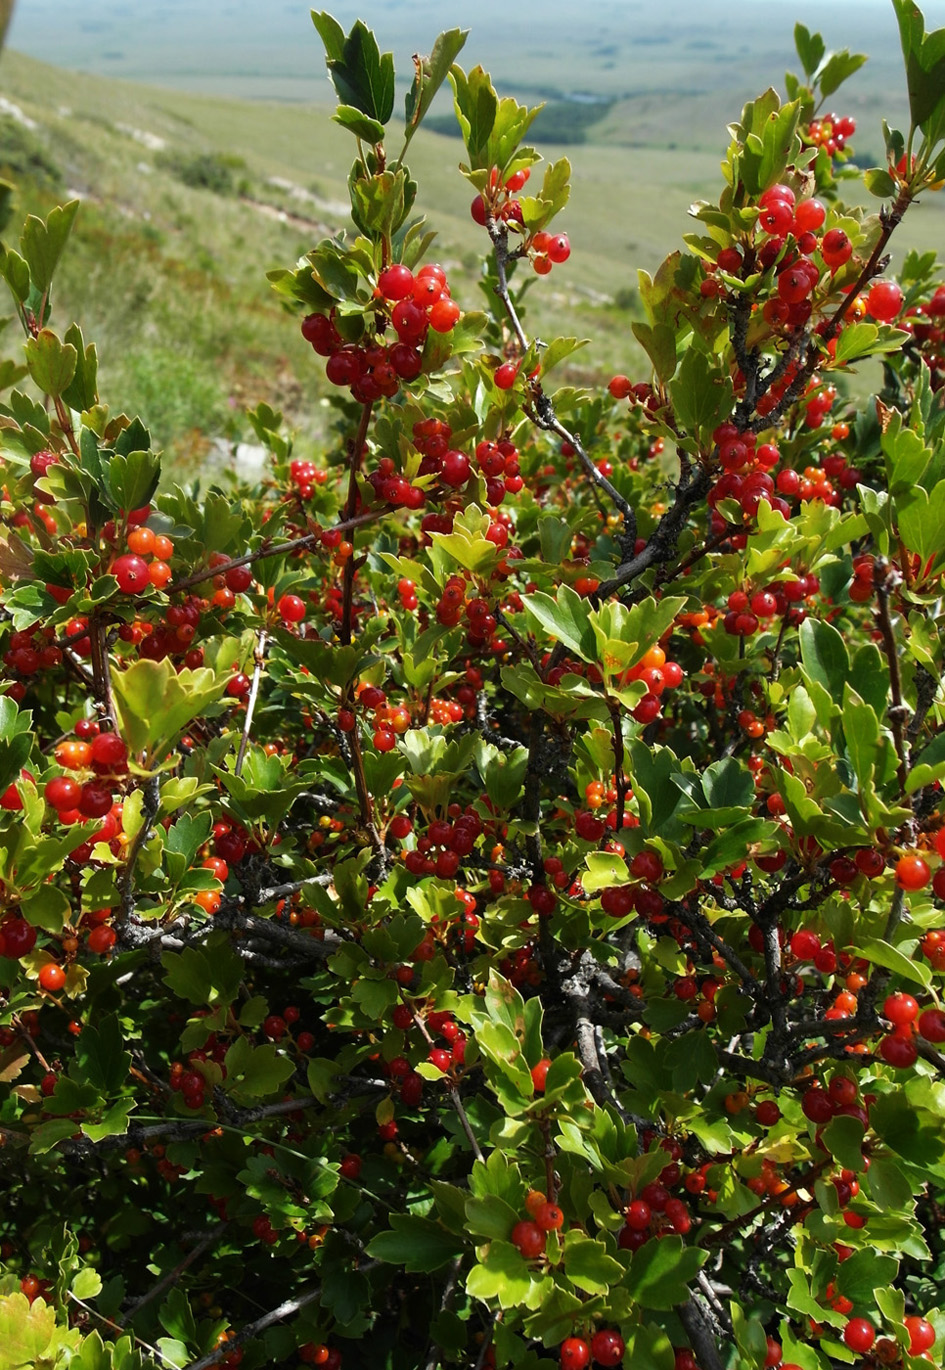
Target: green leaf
838, 67
43, 1139
659, 343
866, 744
921, 521
660, 1272
863, 1272
101, 1056
587, 1264
925, 60
16, 272
429, 75
702, 395
87, 1283
131, 480
882, 954
255, 1072
824, 655
26, 1331
502, 1275
566, 618
490, 1216
15, 741
156, 702
420, 1245
651, 774
51, 362
476, 104
810, 48
361, 75
913, 1133
176, 1316
879, 183
369, 130
82, 392
331, 34
888, 1184
42, 243
843, 1138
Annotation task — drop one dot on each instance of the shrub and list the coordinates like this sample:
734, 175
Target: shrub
476, 897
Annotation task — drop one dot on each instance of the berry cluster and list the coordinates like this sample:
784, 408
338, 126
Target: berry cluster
830, 132
411, 305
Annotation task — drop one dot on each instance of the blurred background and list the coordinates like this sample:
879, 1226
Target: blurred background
198, 135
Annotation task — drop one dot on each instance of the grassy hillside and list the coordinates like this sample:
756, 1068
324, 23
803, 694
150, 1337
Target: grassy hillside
188, 200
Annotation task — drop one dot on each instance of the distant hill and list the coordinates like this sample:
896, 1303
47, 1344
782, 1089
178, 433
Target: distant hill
190, 198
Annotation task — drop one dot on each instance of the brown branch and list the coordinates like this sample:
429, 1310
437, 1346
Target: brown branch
355, 453
253, 1329
174, 1275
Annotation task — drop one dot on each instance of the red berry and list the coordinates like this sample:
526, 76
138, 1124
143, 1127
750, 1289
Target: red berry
607, 1347
884, 301
396, 283
899, 1052
443, 315
529, 1238
921, 1335
540, 1073
102, 939
932, 1025
350, 1167
549, 1217
291, 608
132, 574
108, 750
575, 1353
900, 1009
859, 1334
52, 977
912, 873
63, 793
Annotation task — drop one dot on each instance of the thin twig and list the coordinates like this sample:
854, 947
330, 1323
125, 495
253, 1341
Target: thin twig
174, 1275
253, 1329
259, 656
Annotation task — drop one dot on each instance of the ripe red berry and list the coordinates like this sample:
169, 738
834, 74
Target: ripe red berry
912, 872
932, 1024
62, 793
291, 608
575, 1353
899, 1052
52, 977
900, 1009
350, 1167
102, 939
504, 376
549, 1217
132, 574
529, 1238
443, 315
396, 283
607, 1347
921, 1335
884, 301
859, 1334
540, 1073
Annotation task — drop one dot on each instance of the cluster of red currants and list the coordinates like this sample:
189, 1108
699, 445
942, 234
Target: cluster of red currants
305, 475
411, 305
926, 323
829, 131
